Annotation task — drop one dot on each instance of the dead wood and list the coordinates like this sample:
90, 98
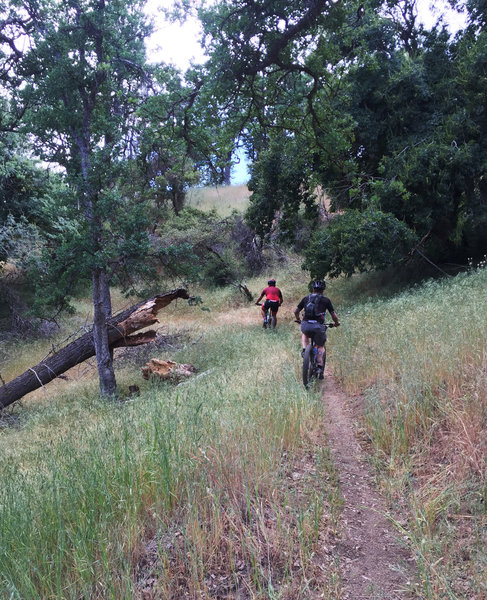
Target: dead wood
120, 328
166, 369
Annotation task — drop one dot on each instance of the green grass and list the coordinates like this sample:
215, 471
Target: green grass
198, 472
188, 489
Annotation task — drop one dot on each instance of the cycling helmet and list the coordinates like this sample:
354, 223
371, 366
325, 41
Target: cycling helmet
318, 285
271, 282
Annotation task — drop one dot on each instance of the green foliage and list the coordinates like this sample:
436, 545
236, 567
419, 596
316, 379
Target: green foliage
84, 75
19, 241
31, 199
196, 246
359, 241
377, 110
165, 167
418, 148
280, 185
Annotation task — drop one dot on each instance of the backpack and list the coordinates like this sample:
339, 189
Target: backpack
310, 310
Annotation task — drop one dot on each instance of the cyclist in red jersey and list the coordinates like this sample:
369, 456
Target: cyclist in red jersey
273, 299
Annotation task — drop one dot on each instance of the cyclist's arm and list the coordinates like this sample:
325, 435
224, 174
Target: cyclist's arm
280, 298
298, 309
334, 316
259, 298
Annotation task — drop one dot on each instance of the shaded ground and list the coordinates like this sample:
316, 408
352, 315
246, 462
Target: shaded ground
374, 562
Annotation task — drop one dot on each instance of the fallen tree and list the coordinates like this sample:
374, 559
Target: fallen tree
120, 328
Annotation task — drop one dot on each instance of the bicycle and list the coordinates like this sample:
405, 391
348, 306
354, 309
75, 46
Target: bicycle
269, 320
311, 369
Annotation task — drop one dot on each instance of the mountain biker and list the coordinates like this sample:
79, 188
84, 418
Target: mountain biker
273, 299
313, 325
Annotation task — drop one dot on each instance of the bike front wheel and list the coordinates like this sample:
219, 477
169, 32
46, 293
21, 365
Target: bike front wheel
308, 366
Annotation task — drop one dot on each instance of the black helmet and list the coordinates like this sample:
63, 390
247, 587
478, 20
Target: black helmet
318, 285
271, 282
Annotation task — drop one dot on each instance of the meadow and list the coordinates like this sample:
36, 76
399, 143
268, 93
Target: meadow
221, 485
224, 199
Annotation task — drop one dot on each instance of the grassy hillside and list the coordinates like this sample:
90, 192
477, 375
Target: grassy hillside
222, 484
420, 361
224, 199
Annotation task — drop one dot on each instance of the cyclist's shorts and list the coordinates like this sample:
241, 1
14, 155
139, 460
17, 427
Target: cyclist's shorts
272, 304
315, 331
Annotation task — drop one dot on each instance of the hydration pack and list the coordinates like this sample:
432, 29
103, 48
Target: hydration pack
310, 310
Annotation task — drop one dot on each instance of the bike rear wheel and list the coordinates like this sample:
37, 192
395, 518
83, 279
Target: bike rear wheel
308, 365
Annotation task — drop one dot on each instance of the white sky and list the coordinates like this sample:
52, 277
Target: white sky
430, 11
173, 43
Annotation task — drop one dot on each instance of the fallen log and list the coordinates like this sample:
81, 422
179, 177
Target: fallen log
120, 327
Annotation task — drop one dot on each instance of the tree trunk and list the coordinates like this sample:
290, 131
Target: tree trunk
118, 331
102, 312
227, 170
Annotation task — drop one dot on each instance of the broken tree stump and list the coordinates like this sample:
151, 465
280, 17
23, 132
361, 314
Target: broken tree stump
120, 328
166, 369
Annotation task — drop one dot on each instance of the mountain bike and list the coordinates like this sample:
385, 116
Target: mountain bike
269, 320
311, 368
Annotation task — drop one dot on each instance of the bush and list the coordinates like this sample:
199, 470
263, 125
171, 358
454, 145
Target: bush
358, 241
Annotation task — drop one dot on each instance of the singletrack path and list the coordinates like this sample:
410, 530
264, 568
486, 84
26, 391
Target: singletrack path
374, 564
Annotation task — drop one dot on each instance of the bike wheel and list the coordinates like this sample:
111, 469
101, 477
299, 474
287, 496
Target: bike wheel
308, 366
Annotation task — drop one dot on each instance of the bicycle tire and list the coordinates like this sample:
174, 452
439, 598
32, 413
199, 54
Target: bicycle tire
307, 365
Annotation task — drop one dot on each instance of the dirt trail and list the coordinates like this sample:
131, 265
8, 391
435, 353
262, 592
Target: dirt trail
373, 562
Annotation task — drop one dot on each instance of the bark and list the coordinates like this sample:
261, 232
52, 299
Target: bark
120, 328
102, 312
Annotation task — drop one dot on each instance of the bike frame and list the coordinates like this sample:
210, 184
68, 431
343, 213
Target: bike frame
269, 319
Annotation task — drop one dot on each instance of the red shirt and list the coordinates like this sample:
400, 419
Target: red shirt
272, 293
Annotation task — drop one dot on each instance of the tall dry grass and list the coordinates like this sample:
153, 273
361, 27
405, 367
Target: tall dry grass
224, 199
222, 485
196, 489
420, 360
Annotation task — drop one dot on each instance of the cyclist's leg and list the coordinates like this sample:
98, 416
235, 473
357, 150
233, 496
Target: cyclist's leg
273, 308
320, 339
265, 313
305, 335
320, 355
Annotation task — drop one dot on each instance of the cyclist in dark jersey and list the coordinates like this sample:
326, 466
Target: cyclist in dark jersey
314, 327
273, 299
